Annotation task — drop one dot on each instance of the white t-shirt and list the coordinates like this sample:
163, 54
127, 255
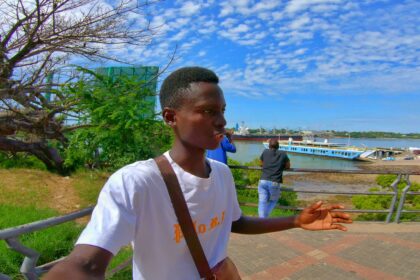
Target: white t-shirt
134, 207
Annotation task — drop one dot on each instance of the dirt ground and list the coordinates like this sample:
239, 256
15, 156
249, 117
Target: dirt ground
399, 165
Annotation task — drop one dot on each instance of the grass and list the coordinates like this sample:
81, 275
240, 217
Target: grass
22, 187
88, 184
52, 243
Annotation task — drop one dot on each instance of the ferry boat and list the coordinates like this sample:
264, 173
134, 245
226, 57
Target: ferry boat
325, 149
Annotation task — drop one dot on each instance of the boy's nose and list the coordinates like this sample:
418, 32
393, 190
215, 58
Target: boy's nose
220, 120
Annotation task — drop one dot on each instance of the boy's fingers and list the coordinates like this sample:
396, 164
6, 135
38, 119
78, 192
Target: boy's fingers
339, 227
335, 206
340, 220
315, 206
340, 215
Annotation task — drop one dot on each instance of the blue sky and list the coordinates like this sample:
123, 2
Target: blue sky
308, 64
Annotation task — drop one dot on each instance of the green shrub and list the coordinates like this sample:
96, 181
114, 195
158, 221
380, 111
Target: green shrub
382, 202
245, 177
240, 176
253, 175
20, 160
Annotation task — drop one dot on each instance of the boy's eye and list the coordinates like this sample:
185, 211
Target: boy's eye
209, 112
212, 112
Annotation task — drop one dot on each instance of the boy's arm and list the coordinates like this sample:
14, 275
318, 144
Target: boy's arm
314, 217
84, 262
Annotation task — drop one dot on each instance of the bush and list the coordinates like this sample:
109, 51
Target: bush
245, 177
20, 160
240, 176
382, 202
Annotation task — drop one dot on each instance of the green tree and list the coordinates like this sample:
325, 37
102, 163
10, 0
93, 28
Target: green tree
37, 38
116, 122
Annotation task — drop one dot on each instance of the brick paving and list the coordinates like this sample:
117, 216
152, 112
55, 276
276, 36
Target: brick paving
366, 251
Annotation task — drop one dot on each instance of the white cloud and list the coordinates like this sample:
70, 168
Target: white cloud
189, 8
299, 22
295, 6
323, 44
226, 9
239, 29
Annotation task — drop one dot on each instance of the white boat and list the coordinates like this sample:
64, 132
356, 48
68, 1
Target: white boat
324, 149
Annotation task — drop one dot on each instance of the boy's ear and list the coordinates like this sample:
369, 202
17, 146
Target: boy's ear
168, 115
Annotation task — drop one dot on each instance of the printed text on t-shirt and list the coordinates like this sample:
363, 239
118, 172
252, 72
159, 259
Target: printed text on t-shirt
201, 228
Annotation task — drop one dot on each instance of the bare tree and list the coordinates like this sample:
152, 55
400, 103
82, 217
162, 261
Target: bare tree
36, 37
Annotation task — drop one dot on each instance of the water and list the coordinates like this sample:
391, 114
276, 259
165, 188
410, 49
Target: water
247, 151
376, 142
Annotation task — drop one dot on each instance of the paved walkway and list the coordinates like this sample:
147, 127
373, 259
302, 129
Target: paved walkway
366, 251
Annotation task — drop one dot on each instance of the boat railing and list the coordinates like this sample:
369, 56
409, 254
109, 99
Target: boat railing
30, 270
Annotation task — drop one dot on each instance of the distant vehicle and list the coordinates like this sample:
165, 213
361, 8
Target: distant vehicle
389, 159
408, 158
414, 150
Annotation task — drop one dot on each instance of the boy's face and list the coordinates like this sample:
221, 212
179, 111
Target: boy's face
199, 122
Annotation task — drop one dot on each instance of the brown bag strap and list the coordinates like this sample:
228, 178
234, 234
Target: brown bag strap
184, 217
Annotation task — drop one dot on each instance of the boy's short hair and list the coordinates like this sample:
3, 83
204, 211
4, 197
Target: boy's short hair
177, 84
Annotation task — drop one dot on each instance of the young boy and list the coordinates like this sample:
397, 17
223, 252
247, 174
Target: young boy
134, 206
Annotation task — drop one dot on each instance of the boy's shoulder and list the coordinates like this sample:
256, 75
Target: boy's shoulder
218, 166
139, 171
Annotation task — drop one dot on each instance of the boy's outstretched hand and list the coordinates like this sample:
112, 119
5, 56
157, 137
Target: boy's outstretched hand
316, 217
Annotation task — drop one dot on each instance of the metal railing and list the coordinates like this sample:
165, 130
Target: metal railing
400, 177
31, 271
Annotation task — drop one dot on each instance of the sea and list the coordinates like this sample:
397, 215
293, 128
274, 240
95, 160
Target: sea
247, 151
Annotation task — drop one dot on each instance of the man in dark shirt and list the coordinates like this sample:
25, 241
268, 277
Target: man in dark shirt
273, 164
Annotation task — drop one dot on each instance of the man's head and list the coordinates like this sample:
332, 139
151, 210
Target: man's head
177, 86
193, 105
273, 144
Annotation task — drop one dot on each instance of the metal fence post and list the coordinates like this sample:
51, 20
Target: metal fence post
29, 262
402, 198
4, 277
394, 198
